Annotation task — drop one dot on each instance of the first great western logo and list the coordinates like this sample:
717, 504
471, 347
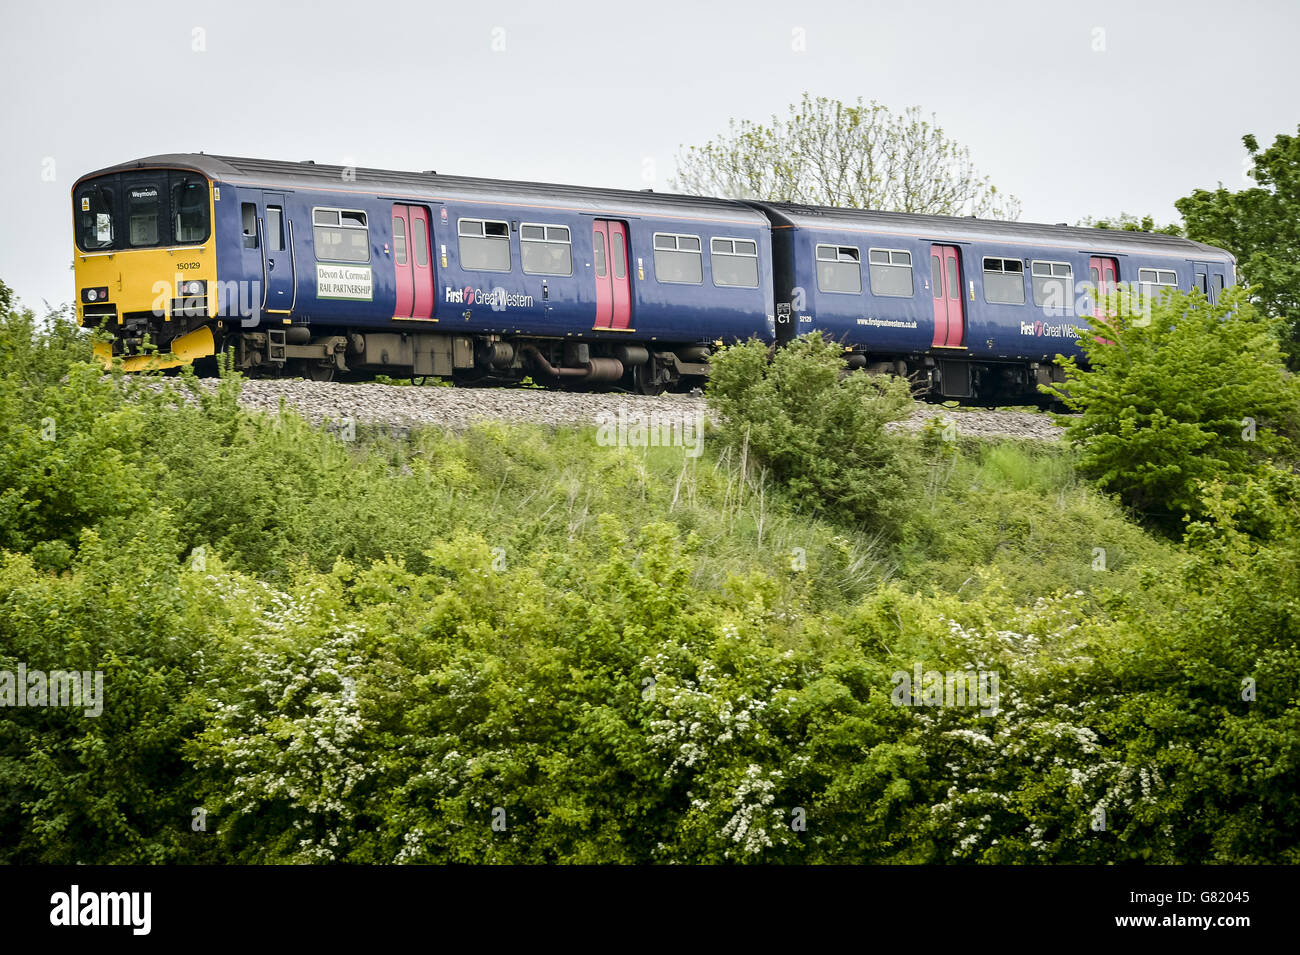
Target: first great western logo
1050, 330
496, 299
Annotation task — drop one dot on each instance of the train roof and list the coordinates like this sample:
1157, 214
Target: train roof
968, 228
279, 174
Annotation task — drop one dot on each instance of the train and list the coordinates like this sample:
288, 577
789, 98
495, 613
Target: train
314, 270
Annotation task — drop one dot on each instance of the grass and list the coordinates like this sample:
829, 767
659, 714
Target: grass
1011, 507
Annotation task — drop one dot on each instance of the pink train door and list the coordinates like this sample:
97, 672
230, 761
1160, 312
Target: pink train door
600, 265
1104, 273
945, 287
609, 262
413, 269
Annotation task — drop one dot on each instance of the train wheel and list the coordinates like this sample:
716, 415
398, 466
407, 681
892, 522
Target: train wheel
313, 370
646, 379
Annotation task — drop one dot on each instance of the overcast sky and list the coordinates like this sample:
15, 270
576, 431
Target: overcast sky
1078, 109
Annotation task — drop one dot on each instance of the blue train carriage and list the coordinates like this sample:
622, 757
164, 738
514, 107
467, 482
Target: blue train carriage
312, 269
965, 307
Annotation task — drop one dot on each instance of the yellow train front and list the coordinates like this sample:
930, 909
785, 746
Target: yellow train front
146, 263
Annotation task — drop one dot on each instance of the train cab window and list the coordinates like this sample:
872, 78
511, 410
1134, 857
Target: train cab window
1216, 286
545, 249
1053, 284
248, 215
143, 212
891, 272
189, 209
484, 245
95, 217
678, 259
341, 235
274, 229
399, 240
1156, 282
735, 262
839, 269
1004, 281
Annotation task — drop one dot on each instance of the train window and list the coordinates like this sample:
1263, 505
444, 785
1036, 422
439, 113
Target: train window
620, 256
1053, 284
678, 258
839, 269
399, 240
1004, 281
421, 236
95, 217
143, 210
735, 262
190, 209
341, 235
167, 208
484, 245
1157, 277
248, 214
274, 229
545, 249
936, 276
1156, 282
891, 272
1216, 283
598, 253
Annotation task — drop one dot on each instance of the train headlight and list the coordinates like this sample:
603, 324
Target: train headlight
94, 294
193, 287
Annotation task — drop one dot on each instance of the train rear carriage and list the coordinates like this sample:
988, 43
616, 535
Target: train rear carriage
315, 269
971, 308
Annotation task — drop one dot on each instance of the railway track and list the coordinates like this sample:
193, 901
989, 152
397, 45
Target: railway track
401, 407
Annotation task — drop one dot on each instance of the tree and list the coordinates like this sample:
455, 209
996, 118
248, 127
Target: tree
1188, 393
860, 156
1261, 227
1127, 222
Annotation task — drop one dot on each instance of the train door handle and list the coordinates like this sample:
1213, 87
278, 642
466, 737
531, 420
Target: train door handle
270, 264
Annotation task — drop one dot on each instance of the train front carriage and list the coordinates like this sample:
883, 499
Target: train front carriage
295, 268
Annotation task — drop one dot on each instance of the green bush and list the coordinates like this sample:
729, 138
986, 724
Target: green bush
1193, 392
819, 431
